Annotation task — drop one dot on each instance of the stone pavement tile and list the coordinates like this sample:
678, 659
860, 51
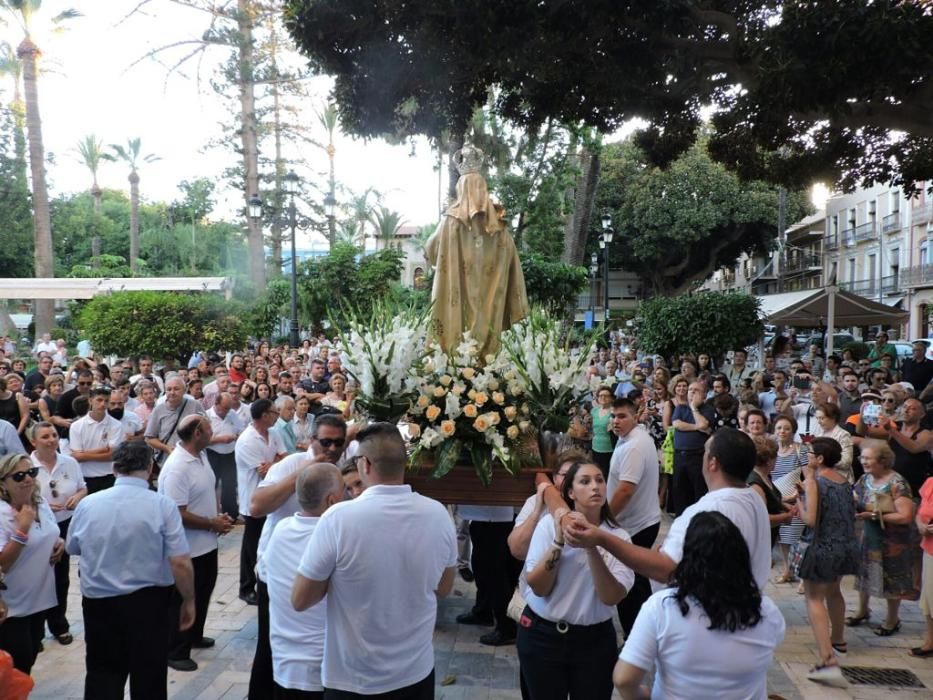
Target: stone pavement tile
236, 692
454, 692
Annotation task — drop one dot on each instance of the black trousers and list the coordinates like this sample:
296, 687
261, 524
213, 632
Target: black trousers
128, 635
603, 460
422, 690
577, 663
641, 589
224, 468
99, 483
260, 676
280, 693
251, 532
496, 572
56, 617
205, 577
21, 638
689, 485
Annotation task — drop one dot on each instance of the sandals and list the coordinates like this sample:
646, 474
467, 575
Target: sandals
888, 631
843, 648
786, 578
856, 620
921, 653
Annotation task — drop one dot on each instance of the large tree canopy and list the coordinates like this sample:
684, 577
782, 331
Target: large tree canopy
829, 86
680, 223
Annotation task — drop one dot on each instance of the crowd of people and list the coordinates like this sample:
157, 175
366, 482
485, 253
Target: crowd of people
139, 469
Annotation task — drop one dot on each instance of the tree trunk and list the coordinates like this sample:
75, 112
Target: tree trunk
134, 219
248, 140
454, 145
275, 239
96, 195
29, 54
576, 227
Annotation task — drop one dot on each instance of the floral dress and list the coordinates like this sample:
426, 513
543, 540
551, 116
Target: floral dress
889, 556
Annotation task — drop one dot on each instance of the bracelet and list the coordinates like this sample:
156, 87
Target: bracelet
19, 540
21, 533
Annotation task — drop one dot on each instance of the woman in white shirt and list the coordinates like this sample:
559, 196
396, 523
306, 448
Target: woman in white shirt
566, 639
62, 486
29, 547
714, 611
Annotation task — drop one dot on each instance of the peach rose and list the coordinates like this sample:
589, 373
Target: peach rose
510, 412
439, 391
468, 372
512, 432
448, 427
498, 397
445, 380
470, 410
414, 430
480, 398
432, 413
481, 425
423, 401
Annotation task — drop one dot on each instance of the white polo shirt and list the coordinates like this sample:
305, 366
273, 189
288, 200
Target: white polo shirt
31, 580
189, 481
132, 424
279, 471
635, 460
67, 479
744, 507
89, 434
251, 450
384, 554
228, 425
297, 638
573, 598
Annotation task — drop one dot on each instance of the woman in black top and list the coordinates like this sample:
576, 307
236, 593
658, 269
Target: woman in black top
911, 445
779, 513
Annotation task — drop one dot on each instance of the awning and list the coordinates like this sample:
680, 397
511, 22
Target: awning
88, 287
810, 309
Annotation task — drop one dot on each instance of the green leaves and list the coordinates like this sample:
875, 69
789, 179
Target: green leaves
710, 322
445, 457
551, 285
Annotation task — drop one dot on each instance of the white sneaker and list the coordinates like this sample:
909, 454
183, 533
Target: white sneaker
828, 675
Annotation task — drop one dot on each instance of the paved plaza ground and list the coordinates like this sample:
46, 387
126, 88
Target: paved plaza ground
474, 671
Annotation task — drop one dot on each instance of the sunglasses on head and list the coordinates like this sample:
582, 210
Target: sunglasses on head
331, 442
19, 476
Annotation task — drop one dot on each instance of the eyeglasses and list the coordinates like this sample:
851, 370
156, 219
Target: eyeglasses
863, 364
19, 476
331, 442
888, 400
52, 484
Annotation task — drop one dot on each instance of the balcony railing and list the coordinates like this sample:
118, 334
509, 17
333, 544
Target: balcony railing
803, 262
917, 275
871, 287
864, 232
921, 214
847, 237
891, 223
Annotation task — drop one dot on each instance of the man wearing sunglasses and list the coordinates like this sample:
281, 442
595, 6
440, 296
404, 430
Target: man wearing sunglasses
65, 407
275, 499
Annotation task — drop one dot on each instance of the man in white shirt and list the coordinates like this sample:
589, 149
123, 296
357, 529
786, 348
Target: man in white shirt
46, 344
361, 550
256, 451
226, 428
145, 373
273, 500
632, 492
130, 422
728, 459
738, 371
92, 440
187, 479
297, 639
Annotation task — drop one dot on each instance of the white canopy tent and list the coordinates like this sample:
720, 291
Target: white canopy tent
830, 307
87, 288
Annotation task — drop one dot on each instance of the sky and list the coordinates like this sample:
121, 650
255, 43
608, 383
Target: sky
91, 86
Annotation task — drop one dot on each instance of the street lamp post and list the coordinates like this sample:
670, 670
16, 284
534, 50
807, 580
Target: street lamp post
594, 268
291, 189
604, 241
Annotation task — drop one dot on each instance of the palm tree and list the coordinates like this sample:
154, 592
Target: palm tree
387, 223
328, 119
28, 52
91, 151
131, 156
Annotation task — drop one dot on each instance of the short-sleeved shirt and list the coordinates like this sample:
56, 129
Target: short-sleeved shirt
9, 439
251, 450
635, 460
125, 536
67, 479
30, 581
691, 439
381, 601
573, 598
89, 434
744, 507
164, 420
297, 638
230, 424
684, 649
279, 471
189, 481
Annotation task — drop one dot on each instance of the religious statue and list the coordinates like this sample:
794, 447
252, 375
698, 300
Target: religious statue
478, 280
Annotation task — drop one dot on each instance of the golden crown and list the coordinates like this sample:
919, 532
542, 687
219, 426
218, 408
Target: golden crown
469, 159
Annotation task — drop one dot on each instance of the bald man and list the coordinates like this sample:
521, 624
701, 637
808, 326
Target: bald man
188, 480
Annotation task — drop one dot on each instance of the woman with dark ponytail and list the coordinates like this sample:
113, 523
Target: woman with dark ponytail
713, 610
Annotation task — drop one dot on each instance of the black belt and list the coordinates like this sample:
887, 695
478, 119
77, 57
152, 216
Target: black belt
563, 626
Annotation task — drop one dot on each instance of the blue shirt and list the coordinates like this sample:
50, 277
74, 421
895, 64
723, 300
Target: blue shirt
286, 432
125, 536
9, 439
692, 439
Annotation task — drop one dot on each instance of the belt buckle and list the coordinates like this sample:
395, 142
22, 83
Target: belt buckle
562, 627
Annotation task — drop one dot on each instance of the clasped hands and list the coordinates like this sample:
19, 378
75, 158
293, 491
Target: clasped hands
578, 531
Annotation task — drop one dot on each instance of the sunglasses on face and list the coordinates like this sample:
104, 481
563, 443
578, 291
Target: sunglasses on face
331, 442
19, 476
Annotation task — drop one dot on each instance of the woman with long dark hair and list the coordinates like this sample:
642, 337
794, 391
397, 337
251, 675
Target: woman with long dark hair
713, 610
566, 639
